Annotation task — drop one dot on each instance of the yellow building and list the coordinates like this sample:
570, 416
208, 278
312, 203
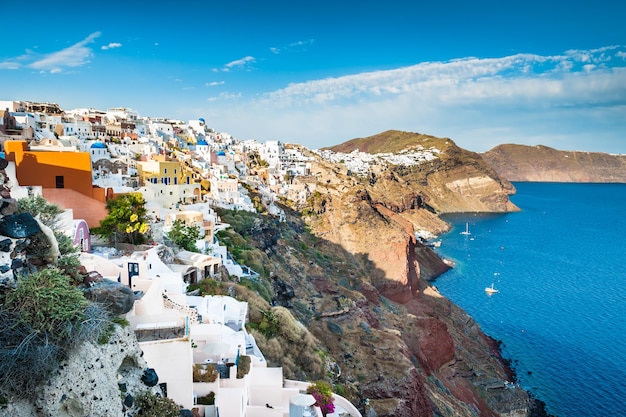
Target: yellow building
167, 183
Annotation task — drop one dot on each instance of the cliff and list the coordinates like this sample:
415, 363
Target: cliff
544, 164
357, 278
445, 179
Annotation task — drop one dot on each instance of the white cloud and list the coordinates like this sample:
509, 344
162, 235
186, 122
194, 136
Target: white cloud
10, 65
239, 63
111, 45
214, 83
558, 101
293, 47
225, 96
300, 45
74, 56
515, 77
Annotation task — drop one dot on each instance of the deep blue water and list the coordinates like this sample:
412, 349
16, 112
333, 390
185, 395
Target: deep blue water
560, 268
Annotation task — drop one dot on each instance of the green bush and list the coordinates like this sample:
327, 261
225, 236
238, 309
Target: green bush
66, 244
207, 399
70, 265
43, 319
260, 287
340, 390
48, 303
41, 208
151, 405
269, 325
120, 321
209, 286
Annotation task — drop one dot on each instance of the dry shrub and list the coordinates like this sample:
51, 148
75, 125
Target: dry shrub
243, 367
289, 327
291, 345
204, 373
272, 348
256, 304
290, 369
311, 362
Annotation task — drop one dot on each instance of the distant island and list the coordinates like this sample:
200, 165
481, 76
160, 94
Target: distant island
544, 164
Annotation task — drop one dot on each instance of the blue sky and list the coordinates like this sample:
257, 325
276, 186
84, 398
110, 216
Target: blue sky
320, 73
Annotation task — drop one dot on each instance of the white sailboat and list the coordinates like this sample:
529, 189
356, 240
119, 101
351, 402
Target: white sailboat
466, 232
491, 290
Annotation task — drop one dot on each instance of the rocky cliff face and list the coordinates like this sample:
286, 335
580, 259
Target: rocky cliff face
543, 164
95, 380
399, 347
359, 277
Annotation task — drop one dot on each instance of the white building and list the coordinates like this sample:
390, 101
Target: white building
178, 333
121, 113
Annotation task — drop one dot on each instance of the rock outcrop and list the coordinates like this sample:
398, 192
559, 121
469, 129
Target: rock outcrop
544, 164
118, 298
93, 381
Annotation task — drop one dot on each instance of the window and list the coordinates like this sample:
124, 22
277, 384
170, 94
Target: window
60, 182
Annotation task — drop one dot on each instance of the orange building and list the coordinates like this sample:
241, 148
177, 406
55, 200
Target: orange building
65, 178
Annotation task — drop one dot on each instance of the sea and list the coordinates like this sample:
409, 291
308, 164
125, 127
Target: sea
559, 266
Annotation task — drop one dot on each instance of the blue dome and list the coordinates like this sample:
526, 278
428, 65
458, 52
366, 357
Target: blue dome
221, 153
98, 145
202, 142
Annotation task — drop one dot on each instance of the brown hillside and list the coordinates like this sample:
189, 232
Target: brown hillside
457, 180
392, 141
544, 164
360, 279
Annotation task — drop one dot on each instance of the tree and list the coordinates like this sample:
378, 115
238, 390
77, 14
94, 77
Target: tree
127, 220
185, 236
